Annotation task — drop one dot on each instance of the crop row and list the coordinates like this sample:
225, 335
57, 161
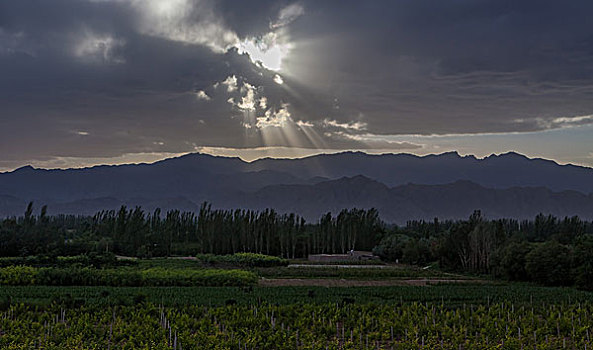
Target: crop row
305, 326
449, 295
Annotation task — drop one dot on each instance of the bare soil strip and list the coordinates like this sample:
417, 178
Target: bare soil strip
327, 282
341, 266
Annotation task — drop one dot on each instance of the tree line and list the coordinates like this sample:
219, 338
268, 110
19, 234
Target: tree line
134, 232
546, 250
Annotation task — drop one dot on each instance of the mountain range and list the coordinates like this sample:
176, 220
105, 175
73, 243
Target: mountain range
400, 186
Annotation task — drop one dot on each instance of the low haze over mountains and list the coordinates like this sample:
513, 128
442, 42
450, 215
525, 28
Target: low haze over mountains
401, 186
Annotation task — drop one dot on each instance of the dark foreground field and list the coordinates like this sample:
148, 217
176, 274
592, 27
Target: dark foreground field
382, 307
408, 325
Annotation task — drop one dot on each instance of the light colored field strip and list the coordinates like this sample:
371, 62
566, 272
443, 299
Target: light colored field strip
342, 266
328, 282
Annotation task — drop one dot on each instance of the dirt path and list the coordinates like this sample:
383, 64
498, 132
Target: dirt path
327, 282
326, 266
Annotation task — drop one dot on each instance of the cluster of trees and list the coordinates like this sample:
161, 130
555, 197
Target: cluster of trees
546, 250
133, 232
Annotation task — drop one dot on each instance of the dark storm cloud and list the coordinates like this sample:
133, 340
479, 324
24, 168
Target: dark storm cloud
452, 66
138, 96
109, 77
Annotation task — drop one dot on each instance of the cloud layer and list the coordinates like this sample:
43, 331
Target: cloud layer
109, 78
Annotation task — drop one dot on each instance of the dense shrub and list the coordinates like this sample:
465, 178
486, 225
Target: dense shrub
25, 275
417, 252
207, 277
88, 259
18, 275
583, 263
31, 260
510, 261
391, 248
257, 260
243, 259
549, 264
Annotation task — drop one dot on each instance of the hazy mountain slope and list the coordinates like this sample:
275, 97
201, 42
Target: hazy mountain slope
193, 176
313, 200
11, 206
448, 185
502, 171
406, 202
398, 204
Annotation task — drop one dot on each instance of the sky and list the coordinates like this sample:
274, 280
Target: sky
85, 82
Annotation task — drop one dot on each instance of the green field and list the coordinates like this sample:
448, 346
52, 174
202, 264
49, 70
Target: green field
331, 270
451, 295
410, 325
177, 306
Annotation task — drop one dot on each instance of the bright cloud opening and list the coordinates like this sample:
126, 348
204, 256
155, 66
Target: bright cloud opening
278, 79
266, 51
191, 22
248, 100
352, 125
230, 82
202, 95
276, 119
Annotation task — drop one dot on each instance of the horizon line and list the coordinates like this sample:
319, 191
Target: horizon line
171, 156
